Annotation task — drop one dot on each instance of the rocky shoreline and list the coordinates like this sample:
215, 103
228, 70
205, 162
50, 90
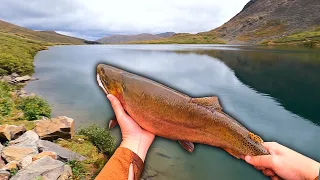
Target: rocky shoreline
30, 154
15, 79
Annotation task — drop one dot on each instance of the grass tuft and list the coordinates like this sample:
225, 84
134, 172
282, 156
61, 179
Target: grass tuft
95, 160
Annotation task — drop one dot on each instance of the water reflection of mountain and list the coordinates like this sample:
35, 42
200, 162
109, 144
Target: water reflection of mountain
293, 78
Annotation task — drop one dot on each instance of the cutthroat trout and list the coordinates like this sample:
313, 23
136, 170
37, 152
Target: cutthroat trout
170, 114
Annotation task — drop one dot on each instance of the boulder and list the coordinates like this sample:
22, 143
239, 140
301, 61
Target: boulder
4, 175
14, 75
16, 131
8, 132
22, 79
16, 153
10, 166
44, 168
5, 134
2, 162
24, 162
6, 79
28, 139
66, 174
1, 147
51, 154
52, 129
63, 153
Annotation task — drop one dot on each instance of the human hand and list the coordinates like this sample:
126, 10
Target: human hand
285, 163
134, 137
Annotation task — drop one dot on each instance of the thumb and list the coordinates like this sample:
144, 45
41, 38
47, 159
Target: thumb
263, 161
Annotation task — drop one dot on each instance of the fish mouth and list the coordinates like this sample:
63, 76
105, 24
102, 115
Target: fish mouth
101, 85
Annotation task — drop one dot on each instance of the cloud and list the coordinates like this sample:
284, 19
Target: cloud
96, 18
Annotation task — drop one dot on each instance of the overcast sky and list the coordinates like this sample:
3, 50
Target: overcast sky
92, 19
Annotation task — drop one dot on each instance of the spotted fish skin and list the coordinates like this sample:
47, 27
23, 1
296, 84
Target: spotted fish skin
170, 114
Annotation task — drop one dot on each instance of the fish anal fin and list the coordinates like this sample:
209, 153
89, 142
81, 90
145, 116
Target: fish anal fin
255, 138
112, 123
189, 146
209, 102
232, 153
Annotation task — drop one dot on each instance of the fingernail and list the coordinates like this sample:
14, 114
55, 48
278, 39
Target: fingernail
248, 158
110, 97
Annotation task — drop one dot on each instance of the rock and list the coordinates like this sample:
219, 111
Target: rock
24, 162
4, 175
21, 92
63, 153
22, 79
23, 95
44, 168
28, 139
5, 134
10, 166
6, 78
16, 153
51, 154
2, 162
34, 79
66, 174
8, 132
61, 127
14, 75
16, 131
1, 147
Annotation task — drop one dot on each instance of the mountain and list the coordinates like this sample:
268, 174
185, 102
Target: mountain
166, 34
44, 36
263, 21
116, 39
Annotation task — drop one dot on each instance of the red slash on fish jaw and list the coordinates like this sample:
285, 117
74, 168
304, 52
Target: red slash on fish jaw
101, 85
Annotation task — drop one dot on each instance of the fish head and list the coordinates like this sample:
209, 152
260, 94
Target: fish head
110, 80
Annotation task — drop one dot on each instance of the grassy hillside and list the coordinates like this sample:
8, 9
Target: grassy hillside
306, 38
45, 36
184, 38
118, 39
17, 53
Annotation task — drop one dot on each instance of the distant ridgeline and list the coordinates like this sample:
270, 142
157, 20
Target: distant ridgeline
43, 36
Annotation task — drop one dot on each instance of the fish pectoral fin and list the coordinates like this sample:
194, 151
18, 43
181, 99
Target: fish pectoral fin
112, 123
232, 153
189, 146
209, 102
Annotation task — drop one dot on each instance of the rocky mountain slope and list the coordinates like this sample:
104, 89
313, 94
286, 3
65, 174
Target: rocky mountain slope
44, 36
270, 19
263, 21
115, 39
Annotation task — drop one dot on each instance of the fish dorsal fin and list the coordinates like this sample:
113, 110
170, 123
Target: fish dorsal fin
208, 102
255, 138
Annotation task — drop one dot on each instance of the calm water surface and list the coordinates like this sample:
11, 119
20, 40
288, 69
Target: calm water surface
274, 92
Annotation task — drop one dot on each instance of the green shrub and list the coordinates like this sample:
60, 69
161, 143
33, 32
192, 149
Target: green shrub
3, 72
100, 137
6, 106
78, 170
34, 108
13, 171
